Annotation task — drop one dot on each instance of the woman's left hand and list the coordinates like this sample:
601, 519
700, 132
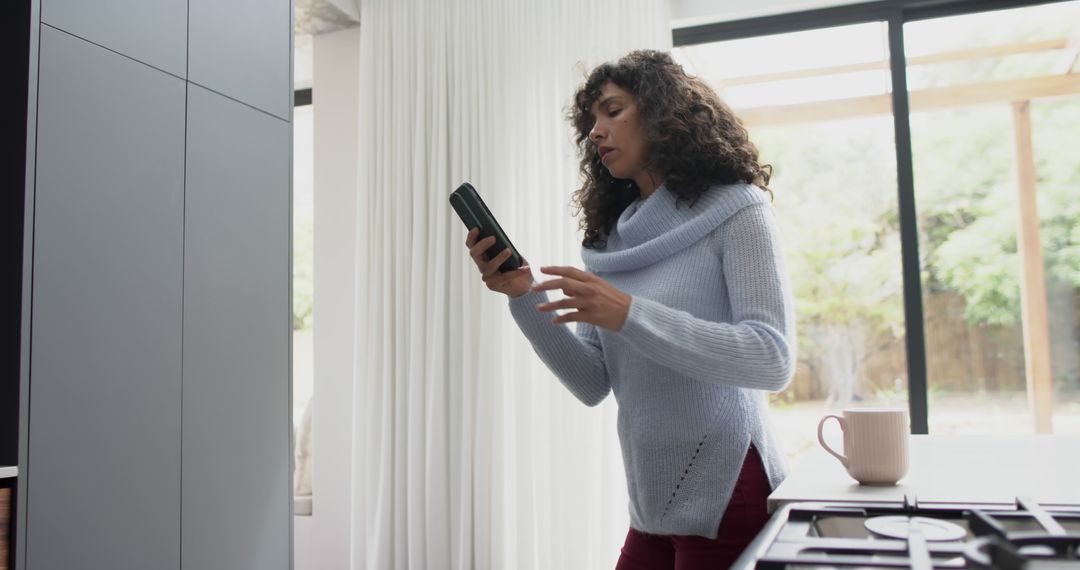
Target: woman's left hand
597, 301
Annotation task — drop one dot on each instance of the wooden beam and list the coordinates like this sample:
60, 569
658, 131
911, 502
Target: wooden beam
1036, 323
943, 57
832, 110
995, 92
1005, 91
1070, 55
988, 52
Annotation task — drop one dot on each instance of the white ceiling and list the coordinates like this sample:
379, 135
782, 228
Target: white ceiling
694, 12
315, 17
321, 16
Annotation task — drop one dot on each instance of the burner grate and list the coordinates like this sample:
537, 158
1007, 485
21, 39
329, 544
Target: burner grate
922, 537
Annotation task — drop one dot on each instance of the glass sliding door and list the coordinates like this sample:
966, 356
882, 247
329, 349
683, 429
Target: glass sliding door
995, 101
818, 105
303, 277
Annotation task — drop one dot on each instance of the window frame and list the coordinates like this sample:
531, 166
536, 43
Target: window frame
895, 13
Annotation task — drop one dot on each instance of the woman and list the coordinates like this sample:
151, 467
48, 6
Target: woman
684, 312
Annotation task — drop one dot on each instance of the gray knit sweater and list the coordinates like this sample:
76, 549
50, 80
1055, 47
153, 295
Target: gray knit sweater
711, 327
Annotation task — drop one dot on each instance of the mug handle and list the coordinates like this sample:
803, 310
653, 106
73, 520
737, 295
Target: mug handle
821, 436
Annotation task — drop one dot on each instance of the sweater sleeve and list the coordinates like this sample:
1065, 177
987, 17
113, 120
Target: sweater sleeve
757, 348
576, 359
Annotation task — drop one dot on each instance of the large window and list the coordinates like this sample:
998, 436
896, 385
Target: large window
995, 101
834, 184
303, 277
992, 101
303, 256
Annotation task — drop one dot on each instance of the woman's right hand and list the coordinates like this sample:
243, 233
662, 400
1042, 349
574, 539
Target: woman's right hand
512, 283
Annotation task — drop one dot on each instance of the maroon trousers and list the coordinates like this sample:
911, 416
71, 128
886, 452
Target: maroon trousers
746, 514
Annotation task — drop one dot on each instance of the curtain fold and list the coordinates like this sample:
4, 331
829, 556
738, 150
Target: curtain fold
468, 453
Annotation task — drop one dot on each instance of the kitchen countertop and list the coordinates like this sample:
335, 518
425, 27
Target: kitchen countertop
975, 469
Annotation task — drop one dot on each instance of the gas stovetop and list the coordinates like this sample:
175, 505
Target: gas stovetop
917, 536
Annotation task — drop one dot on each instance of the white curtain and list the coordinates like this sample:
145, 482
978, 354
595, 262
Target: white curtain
468, 453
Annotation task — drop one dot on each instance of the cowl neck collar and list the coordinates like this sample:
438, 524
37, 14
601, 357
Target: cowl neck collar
654, 228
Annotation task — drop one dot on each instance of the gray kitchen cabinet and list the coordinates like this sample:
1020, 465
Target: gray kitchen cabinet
237, 325
153, 32
104, 423
241, 49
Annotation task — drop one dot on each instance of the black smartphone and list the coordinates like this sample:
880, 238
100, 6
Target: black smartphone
472, 210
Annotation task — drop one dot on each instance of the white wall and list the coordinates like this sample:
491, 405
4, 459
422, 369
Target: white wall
693, 12
322, 540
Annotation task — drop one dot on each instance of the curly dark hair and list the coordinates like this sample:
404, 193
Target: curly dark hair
693, 138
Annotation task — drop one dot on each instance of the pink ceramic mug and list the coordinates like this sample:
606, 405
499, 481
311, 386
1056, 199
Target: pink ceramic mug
875, 444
